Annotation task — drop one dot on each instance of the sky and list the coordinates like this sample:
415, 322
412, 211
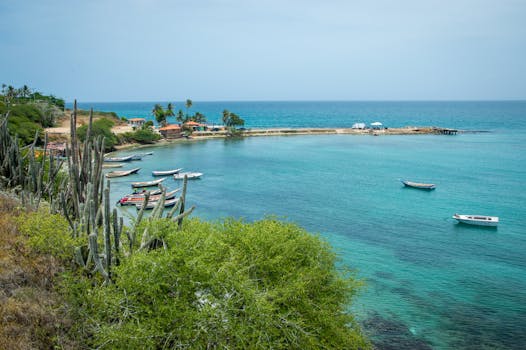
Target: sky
248, 50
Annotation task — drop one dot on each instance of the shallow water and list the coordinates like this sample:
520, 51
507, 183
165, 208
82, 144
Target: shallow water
430, 282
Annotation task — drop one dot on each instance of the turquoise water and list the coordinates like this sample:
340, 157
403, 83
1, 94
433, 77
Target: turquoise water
430, 283
466, 115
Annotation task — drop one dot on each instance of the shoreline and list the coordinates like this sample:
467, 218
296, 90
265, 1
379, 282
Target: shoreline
258, 132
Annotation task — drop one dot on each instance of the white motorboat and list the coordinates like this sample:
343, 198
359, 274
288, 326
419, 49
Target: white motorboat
190, 175
419, 185
116, 165
118, 159
480, 220
119, 173
165, 172
147, 183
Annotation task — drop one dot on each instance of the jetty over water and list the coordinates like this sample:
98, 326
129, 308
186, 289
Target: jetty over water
445, 131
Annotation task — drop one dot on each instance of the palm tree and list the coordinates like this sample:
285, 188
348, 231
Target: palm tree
156, 109
26, 91
180, 116
169, 110
226, 116
159, 114
199, 118
188, 105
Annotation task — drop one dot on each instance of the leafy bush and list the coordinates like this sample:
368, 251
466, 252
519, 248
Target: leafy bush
100, 127
47, 234
144, 135
23, 120
225, 285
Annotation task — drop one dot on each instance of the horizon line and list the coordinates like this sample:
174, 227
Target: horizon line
337, 100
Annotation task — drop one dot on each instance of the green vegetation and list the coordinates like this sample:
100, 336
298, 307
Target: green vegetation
24, 94
162, 283
33, 312
162, 114
231, 121
28, 112
100, 127
224, 285
143, 135
188, 104
47, 234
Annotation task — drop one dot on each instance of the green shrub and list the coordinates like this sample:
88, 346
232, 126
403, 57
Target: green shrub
100, 127
225, 285
47, 233
144, 135
24, 120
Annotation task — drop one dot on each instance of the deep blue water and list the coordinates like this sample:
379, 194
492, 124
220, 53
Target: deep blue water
430, 282
465, 115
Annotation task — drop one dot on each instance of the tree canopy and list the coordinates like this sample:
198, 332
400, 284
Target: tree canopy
266, 285
231, 119
100, 127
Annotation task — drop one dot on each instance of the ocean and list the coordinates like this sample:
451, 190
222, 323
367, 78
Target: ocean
429, 282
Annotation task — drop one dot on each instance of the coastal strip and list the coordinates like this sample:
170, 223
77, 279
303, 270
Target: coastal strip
408, 130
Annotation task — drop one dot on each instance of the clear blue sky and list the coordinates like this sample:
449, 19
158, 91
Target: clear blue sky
143, 50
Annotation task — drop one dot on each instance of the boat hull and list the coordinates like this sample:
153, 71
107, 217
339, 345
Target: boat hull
133, 200
167, 172
418, 185
151, 205
119, 159
190, 176
477, 220
147, 183
113, 174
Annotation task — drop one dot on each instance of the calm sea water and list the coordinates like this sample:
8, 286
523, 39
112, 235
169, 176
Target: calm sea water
430, 282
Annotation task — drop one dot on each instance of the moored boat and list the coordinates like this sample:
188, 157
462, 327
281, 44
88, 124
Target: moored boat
147, 183
180, 176
118, 159
131, 200
143, 193
119, 173
165, 172
116, 165
480, 220
136, 157
418, 185
151, 205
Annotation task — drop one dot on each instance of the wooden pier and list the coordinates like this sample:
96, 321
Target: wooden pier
445, 131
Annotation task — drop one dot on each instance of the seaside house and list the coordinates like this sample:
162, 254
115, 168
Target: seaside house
196, 126
136, 122
171, 131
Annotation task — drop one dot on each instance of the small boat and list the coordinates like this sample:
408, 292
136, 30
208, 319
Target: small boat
136, 157
143, 193
132, 200
165, 172
116, 165
145, 154
147, 183
119, 173
118, 159
151, 205
418, 185
480, 220
180, 176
